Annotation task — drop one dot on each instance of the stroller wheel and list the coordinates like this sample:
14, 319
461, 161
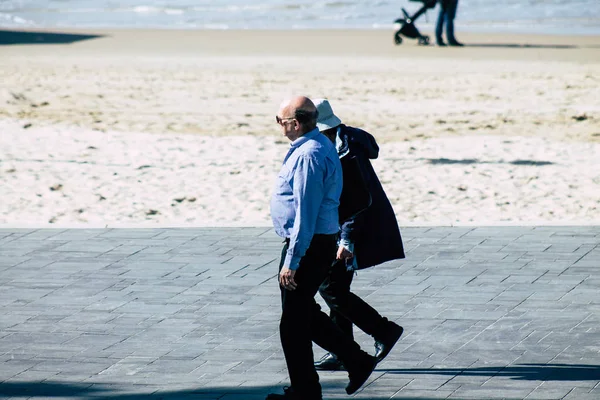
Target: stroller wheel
424, 40
397, 38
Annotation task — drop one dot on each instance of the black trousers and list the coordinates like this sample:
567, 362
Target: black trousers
303, 321
346, 308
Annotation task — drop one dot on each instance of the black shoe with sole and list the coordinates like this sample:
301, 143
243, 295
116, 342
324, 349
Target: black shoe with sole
359, 374
384, 346
329, 362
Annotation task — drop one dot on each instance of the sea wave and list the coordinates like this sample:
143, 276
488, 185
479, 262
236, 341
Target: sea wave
10, 19
541, 16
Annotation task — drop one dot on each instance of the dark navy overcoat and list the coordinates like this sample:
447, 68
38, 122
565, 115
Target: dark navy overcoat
374, 231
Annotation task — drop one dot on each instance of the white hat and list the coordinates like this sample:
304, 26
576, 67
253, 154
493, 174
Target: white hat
327, 118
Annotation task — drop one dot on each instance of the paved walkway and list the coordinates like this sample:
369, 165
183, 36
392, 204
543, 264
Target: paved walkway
123, 314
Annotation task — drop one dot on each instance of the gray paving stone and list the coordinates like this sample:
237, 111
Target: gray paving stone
489, 312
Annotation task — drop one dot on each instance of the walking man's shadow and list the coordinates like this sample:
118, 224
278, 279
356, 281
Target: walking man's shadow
530, 372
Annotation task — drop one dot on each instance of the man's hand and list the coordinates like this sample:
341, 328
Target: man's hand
286, 278
343, 253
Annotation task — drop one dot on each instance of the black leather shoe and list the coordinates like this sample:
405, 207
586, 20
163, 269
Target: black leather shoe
384, 346
290, 394
359, 374
329, 362
440, 42
455, 43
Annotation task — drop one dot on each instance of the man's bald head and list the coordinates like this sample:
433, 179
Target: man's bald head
301, 103
303, 110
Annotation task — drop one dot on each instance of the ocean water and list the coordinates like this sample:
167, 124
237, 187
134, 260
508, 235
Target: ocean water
518, 16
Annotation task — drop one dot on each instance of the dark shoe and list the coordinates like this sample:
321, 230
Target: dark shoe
329, 362
290, 394
384, 346
440, 43
359, 375
455, 43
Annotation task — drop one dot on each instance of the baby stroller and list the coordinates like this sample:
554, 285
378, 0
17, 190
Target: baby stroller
406, 26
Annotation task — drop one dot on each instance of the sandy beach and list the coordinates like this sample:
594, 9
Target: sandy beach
177, 127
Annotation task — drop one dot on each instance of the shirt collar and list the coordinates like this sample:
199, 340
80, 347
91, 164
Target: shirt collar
304, 138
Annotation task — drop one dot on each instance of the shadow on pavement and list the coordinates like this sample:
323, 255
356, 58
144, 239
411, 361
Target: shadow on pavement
10, 37
446, 161
522, 46
529, 372
48, 389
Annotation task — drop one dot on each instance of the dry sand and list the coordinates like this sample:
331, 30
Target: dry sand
177, 127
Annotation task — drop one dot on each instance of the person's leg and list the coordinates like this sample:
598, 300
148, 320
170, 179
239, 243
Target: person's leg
338, 280
295, 334
334, 290
451, 14
439, 28
298, 308
348, 308
328, 335
313, 270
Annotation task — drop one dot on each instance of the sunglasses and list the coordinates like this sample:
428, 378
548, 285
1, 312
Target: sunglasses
280, 121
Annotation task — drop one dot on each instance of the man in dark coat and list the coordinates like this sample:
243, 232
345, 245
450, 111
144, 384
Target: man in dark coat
369, 236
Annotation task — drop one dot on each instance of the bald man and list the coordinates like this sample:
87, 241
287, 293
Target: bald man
304, 210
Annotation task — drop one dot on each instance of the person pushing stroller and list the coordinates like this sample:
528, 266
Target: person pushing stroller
406, 24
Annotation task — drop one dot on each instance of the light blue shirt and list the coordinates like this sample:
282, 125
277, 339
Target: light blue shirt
307, 194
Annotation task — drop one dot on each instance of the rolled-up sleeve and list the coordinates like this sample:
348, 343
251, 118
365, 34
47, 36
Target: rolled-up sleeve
308, 194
